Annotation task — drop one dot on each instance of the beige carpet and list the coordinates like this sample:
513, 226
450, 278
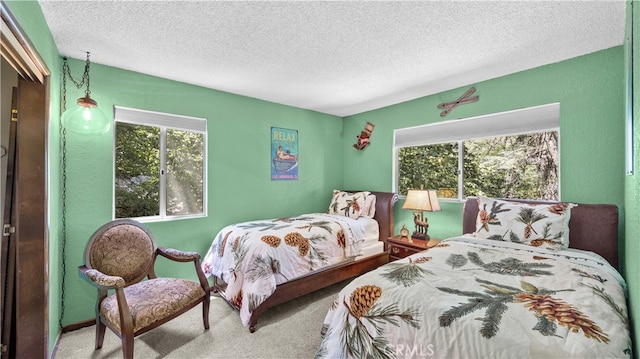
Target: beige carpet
290, 330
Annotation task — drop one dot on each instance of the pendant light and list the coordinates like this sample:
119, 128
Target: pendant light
84, 117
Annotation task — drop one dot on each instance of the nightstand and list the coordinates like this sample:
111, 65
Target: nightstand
400, 247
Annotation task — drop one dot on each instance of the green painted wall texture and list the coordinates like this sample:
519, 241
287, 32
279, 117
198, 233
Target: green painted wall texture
632, 194
239, 182
590, 90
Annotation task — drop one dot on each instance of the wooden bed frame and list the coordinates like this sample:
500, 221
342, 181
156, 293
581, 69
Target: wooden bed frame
592, 227
329, 275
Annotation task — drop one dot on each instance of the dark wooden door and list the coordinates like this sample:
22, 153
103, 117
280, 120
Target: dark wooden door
7, 244
24, 246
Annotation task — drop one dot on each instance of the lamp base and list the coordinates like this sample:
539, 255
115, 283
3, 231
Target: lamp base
420, 236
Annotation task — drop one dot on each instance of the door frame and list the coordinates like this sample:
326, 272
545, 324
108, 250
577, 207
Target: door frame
31, 327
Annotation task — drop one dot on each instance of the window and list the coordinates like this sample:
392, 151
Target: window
512, 154
160, 165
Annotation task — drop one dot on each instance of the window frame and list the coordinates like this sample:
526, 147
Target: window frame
163, 121
508, 123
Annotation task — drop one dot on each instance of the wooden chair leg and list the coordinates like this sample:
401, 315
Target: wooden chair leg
127, 345
100, 329
205, 310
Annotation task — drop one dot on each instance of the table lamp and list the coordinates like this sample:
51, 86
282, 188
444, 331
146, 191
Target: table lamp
421, 200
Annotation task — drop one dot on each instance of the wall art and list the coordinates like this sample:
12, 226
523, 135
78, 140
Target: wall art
284, 154
364, 139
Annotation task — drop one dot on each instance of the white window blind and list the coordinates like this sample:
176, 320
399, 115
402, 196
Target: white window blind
531, 119
151, 118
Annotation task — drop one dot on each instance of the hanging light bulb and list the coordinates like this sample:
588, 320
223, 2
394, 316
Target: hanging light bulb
84, 117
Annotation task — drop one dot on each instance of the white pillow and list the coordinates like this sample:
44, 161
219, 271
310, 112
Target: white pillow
370, 206
352, 205
538, 225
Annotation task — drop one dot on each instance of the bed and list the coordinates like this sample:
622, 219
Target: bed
259, 264
525, 280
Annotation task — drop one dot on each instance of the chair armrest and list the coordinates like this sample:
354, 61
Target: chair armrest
101, 280
177, 255
181, 256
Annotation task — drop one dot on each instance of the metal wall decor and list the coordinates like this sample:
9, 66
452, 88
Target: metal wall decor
464, 99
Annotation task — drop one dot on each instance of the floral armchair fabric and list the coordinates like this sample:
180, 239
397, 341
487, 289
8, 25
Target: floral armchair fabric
119, 262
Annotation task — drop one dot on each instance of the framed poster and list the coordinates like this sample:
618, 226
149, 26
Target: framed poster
284, 154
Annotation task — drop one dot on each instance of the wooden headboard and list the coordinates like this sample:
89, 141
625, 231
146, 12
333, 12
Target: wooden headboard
384, 212
592, 227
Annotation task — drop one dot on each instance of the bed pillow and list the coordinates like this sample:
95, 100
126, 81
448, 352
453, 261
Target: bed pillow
370, 206
351, 204
538, 225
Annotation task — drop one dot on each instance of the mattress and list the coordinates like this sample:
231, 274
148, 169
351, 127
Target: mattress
371, 249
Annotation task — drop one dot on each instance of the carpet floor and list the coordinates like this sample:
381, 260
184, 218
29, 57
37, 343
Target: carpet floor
290, 330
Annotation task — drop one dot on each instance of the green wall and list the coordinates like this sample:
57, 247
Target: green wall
239, 182
590, 90
632, 192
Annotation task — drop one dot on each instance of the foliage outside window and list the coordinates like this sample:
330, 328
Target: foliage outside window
159, 171
522, 166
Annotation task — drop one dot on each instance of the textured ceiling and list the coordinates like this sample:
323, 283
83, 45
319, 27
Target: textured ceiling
339, 58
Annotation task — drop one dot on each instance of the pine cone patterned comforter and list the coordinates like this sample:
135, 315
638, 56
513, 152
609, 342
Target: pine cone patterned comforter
478, 298
254, 257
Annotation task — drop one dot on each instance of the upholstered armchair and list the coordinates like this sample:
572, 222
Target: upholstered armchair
119, 262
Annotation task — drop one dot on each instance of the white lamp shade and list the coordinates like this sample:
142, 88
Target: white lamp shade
422, 200
85, 118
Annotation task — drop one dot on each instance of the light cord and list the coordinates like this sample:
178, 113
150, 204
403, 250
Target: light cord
66, 72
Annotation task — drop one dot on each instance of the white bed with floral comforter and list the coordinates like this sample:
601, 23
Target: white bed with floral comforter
470, 297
